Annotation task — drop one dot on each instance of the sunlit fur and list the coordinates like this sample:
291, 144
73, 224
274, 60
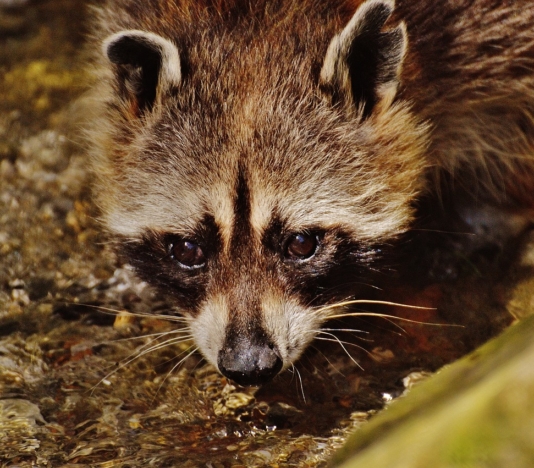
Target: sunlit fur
255, 97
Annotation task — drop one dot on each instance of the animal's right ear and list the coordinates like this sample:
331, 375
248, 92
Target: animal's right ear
362, 64
145, 65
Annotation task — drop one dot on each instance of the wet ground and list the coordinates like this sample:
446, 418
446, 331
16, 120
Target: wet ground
86, 378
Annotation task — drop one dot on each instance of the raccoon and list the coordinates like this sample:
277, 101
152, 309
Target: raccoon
252, 157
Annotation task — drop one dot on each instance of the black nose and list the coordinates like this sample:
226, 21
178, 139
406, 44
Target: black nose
249, 364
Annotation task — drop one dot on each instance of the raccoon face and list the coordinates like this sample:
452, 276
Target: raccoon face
256, 191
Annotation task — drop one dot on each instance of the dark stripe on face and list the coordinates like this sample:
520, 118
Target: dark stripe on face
242, 232
244, 269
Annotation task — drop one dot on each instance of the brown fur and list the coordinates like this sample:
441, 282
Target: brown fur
470, 73
256, 132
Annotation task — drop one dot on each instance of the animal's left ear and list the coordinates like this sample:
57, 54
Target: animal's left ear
362, 64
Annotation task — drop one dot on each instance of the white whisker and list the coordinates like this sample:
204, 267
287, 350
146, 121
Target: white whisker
174, 367
142, 351
164, 344
392, 317
350, 330
300, 381
123, 312
342, 344
328, 360
367, 302
157, 335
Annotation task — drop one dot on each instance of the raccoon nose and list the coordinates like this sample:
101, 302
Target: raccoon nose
249, 364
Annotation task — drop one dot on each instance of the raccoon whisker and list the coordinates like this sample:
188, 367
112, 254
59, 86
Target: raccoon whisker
318, 309
389, 318
168, 318
199, 361
102, 309
371, 301
150, 335
191, 350
166, 313
175, 357
385, 317
343, 285
164, 344
440, 231
328, 360
331, 291
180, 362
299, 377
392, 318
137, 354
336, 339
110, 311
342, 344
149, 347
351, 330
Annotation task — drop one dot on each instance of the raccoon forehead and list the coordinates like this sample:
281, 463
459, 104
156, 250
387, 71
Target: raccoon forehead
364, 216
306, 176
176, 207
170, 206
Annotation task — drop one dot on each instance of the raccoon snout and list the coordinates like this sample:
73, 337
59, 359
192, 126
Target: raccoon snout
249, 364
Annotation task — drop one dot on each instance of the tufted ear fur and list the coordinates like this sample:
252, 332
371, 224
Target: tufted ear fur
362, 63
145, 65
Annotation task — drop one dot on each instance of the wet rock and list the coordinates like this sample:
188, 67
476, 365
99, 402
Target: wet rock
475, 412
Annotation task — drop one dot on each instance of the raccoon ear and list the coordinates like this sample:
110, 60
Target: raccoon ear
362, 63
145, 65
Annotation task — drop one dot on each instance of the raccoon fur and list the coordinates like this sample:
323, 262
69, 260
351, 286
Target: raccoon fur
251, 156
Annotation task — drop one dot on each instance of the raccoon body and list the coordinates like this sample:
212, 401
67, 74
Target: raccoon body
253, 156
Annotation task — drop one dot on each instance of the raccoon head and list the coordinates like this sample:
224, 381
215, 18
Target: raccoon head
251, 175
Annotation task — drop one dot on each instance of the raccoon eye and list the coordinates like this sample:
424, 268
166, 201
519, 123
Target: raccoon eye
187, 253
300, 246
